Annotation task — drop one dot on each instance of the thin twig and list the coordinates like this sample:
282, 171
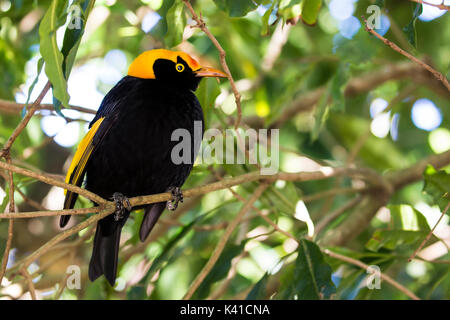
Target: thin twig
25, 198
108, 209
223, 241
357, 85
52, 181
230, 276
11, 222
63, 283
201, 24
402, 95
34, 107
389, 43
31, 288
441, 6
429, 234
207, 227
260, 213
50, 213
365, 267
331, 192
12, 107
30, 201
336, 213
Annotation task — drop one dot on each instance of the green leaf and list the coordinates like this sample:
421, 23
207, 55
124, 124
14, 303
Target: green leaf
40, 64
135, 227
95, 290
321, 113
335, 91
57, 106
356, 51
379, 3
72, 38
3, 232
405, 217
167, 250
311, 279
380, 154
338, 84
236, 8
266, 17
207, 92
220, 269
258, 291
283, 200
437, 185
137, 293
161, 28
410, 28
166, 253
391, 239
176, 23
52, 20
74, 33
408, 227
350, 283
310, 11
5, 200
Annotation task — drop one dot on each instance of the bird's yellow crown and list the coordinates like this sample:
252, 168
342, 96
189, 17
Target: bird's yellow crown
142, 66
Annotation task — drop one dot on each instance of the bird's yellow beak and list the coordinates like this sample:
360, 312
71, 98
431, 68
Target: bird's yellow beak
209, 72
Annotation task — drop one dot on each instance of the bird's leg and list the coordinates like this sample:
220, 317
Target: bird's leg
177, 196
121, 208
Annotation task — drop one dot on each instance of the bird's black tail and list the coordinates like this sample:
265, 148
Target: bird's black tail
104, 257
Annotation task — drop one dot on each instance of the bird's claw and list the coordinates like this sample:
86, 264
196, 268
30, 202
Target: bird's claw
177, 196
122, 205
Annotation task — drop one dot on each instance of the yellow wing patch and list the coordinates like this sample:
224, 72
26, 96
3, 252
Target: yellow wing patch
142, 66
82, 155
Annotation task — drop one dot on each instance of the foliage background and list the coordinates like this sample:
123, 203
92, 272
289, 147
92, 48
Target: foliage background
278, 62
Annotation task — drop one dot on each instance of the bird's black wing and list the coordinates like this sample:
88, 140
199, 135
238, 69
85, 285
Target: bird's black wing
77, 168
99, 126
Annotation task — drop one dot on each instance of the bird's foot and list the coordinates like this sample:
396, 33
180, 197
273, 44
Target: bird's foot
177, 196
122, 205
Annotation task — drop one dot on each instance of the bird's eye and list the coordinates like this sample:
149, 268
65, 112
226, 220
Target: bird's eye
179, 67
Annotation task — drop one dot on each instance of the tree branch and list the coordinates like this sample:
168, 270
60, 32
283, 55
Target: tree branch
50, 213
31, 288
11, 107
10, 225
366, 267
389, 43
23, 123
223, 241
401, 178
335, 214
52, 181
413, 255
201, 24
378, 197
441, 6
106, 210
357, 85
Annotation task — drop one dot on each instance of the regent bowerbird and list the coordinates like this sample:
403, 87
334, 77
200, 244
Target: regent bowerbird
127, 150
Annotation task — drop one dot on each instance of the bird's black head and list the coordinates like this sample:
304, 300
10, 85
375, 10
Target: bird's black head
174, 68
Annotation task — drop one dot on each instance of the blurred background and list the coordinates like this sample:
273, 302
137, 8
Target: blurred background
372, 108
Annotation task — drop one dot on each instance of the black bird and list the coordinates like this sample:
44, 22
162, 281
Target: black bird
127, 151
